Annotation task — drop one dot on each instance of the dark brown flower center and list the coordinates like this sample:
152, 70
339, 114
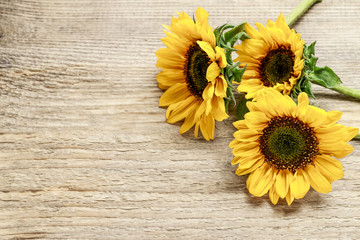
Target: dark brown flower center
288, 143
196, 65
277, 66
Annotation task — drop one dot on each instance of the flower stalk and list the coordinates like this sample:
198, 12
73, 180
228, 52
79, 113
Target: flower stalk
297, 12
347, 91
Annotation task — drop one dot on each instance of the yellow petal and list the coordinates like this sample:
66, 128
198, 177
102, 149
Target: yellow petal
200, 110
243, 171
207, 34
256, 48
278, 35
220, 57
337, 149
168, 78
333, 134
234, 142
265, 183
245, 146
253, 107
169, 55
253, 75
188, 123
252, 31
196, 130
264, 34
202, 17
255, 177
213, 71
303, 103
275, 100
300, 185
167, 64
303, 99
246, 152
182, 110
219, 112
173, 41
208, 107
247, 59
314, 116
208, 92
317, 180
208, 49
220, 86
250, 89
207, 127
240, 124
329, 167
183, 15
247, 135
246, 162
174, 94
274, 197
289, 198
281, 22
260, 181
332, 117
283, 179
256, 120
352, 132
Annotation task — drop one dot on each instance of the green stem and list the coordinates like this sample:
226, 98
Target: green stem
297, 12
347, 91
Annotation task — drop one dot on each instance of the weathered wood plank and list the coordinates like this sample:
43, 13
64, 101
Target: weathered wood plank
85, 152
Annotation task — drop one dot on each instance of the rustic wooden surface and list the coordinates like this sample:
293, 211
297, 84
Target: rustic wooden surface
85, 152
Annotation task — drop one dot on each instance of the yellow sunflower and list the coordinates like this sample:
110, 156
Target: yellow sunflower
274, 58
288, 147
191, 67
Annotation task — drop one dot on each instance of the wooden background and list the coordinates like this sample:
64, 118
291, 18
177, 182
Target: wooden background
85, 152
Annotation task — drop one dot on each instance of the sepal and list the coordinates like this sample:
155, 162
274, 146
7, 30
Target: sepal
226, 36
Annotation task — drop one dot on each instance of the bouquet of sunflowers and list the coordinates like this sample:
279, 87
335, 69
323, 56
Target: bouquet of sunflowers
285, 144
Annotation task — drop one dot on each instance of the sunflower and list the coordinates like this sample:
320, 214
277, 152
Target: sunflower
191, 67
288, 147
273, 57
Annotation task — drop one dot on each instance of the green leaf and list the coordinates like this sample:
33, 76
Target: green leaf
219, 31
324, 76
233, 33
311, 63
238, 73
244, 36
231, 67
308, 89
230, 94
241, 35
309, 56
302, 85
241, 108
230, 47
309, 50
227, 103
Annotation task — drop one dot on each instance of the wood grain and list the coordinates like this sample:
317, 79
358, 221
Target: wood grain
85, 152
